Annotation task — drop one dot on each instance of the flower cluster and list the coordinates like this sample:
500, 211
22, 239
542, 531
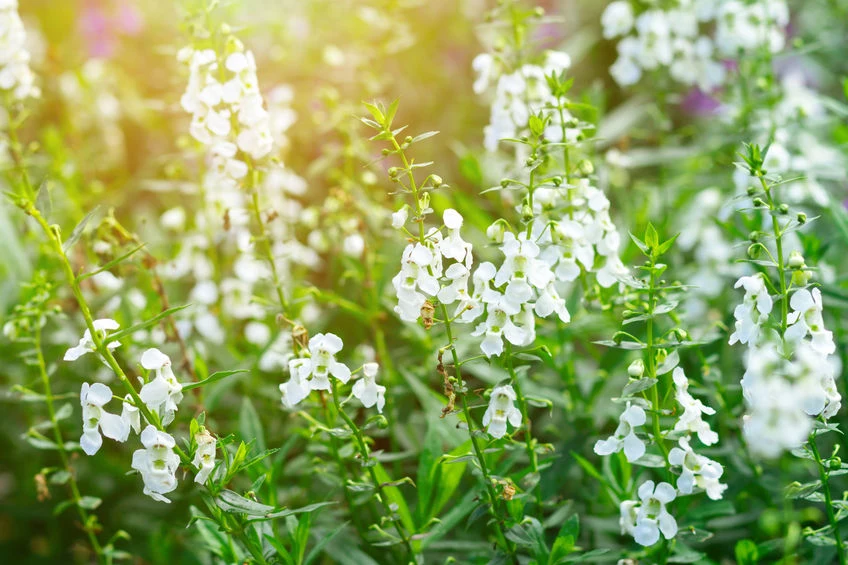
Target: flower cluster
230, 120
508, 296
161, 396
573, 226
790, 380
422, 267
696, 470
520, 94
317, 363
672, 38
16, 77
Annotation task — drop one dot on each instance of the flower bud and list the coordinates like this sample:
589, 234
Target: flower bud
754, 251
437, 180
801, 277
783, 209
796, 260
802, 218
586, 167
636, 369
496, 231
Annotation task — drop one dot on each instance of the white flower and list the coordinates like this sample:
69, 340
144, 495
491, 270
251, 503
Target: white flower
696, 470
458, 275
453, 246
323, 349
353, 245
16, 77
204, 456
96, 420
86, 343
500, 411
367, 390
162, 394
754, 310
625, 435
157, 463
617, 19
399, 218
693, 409
521, 268
314, 372
806, 318
130, 414
652, 516
417, 279
776, 420
297, 387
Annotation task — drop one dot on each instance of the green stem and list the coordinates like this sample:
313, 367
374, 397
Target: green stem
828, 501
87, 524
529, 443
478, 452
334, 451
778, 240
364, 453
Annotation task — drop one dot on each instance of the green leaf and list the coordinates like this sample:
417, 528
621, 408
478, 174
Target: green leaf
375, 111
394, 496
319, 547
301, 510
117, 336
652, 239
234, 502
390, 113
112, 263
634, 387
78, 230
250, 425
423, 136
214, 377
89, 502
43, 201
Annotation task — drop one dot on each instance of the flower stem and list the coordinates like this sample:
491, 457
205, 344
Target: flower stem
366, 462
828, 501
87, 523
529, 443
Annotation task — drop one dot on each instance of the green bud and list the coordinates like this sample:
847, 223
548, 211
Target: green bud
802, 218
437, 180
407, 139
754, 236
751, 191
801, 277
835, 463
759, 202
586, 167
385, 151
754, 251
784, 209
